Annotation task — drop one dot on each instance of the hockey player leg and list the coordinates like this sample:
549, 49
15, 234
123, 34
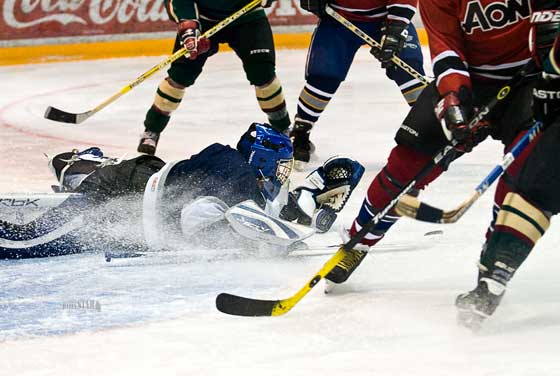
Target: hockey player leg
312, 101
271, 101
182, 73
329, 58
403, 164
253, 43
168, 97
519, 225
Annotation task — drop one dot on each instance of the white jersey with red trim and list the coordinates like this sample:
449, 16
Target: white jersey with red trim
373, 10
476, 39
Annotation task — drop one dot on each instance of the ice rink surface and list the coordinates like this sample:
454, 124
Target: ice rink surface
157, 316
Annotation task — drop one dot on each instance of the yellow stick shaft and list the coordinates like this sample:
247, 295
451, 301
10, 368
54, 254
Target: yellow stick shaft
372, 42
219, 26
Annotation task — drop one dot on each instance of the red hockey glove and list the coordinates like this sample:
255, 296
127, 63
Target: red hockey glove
392, 42
189, 34
454, 111
477, 134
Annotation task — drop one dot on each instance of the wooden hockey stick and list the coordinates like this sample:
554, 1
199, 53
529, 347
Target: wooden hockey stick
410, 206
373, 43
53, 113
241, 306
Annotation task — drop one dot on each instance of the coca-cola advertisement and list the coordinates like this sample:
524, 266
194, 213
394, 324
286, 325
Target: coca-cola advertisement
35, 19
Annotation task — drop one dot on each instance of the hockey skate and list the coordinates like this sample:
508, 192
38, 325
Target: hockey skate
477, 305
148, 142
303, 147
344, 269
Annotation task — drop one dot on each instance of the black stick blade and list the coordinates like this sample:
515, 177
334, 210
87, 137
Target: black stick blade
55, 114
240, 306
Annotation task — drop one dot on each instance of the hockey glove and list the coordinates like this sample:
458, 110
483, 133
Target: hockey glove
191, 39
317, 7
325, 192
394, 35
546, 98
453, 112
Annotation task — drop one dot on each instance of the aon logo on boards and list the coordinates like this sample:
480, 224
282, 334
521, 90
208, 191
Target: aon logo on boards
495, 15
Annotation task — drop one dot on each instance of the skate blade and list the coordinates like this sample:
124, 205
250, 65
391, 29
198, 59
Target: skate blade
470, 320
329, 286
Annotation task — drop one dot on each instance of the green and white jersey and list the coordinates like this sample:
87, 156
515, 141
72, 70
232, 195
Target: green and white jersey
210, 10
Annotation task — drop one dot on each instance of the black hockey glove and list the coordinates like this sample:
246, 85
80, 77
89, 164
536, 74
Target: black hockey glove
191, 39
394, 35
546, 98
317, 7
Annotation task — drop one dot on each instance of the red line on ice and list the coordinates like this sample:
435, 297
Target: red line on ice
5, 123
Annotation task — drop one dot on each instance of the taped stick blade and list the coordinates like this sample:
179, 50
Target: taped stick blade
240, 306
53, 113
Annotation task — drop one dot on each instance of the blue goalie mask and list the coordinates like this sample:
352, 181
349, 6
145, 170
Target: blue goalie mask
270, 153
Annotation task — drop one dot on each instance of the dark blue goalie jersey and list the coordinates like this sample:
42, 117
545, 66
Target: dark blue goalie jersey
219, 171
61, 223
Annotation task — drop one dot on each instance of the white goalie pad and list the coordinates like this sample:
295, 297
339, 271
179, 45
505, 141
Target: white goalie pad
20, 212
201, 213
250, 221
152, 221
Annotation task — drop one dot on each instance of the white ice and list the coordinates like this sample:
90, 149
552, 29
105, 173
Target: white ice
394, 317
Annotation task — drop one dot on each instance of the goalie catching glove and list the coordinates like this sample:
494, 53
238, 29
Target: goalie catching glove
324, 193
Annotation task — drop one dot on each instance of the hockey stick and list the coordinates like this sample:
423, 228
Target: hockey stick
373, 43
53, 113
241, 306
410, 206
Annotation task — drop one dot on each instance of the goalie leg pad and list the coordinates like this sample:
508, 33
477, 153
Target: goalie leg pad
250, 221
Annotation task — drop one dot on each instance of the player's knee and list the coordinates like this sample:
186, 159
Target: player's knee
522, 217
260, 73
519, 225
406, 162
184, 77
325, 83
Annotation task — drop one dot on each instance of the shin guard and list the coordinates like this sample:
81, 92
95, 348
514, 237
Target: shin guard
271, 100
519, 225
168, 97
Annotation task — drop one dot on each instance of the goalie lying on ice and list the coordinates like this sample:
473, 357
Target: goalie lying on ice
221, 197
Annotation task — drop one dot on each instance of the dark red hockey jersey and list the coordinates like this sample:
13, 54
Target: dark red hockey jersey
370, 10
476, 39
